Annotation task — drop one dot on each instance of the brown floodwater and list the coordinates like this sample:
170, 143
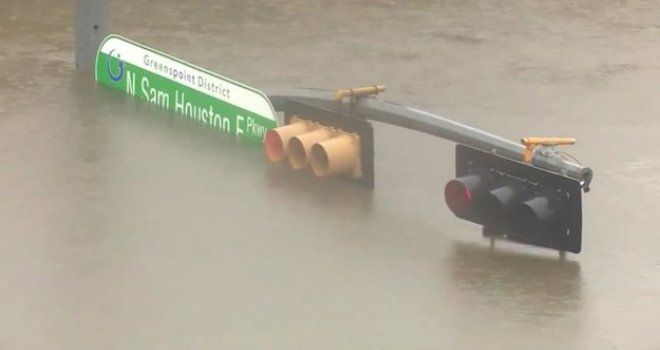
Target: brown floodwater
122, 227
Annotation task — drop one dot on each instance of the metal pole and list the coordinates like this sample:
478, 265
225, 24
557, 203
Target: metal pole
410, 118
91, 28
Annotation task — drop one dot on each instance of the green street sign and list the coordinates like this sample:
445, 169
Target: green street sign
190, 91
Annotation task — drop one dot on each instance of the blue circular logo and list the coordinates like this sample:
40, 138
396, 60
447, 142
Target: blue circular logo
120, 66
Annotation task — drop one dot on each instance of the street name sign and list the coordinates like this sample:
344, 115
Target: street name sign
187, 90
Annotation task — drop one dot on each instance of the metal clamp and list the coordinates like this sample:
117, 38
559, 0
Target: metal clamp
358, 92
547, 144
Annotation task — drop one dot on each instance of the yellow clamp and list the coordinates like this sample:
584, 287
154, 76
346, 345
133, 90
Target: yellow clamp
532, 142
361, 91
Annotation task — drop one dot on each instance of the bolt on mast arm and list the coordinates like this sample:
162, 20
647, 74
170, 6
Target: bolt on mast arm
415, 119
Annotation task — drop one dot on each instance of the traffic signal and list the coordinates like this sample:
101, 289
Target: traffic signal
516, 201
324, 140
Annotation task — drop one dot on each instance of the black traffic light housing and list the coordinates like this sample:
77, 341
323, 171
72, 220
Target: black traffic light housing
516, 201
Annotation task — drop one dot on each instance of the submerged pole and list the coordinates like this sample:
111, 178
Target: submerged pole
90, 27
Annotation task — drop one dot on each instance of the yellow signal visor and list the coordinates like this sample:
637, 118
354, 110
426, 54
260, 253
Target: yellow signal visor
276, 142
300, 146
339, 155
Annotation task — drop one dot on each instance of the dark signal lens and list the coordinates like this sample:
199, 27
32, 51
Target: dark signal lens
533, 215
498, 203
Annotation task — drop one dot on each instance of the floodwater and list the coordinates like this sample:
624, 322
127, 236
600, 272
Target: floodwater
124, 228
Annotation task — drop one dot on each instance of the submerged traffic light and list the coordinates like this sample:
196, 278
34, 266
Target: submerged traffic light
324, 140
516, 201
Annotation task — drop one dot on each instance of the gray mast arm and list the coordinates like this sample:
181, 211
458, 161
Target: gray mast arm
390, 113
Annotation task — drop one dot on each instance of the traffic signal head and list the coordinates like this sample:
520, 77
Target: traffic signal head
328, 142
516, 201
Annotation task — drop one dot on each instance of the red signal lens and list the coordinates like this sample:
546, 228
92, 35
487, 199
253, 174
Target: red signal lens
273, 146
458, 197
460, 192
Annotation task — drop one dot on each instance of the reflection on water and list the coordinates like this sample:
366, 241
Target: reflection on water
518, 292
543, 285
339, 196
